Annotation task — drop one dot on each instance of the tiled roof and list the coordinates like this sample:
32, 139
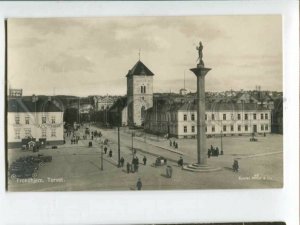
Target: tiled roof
26, 105
213, 106
139, 69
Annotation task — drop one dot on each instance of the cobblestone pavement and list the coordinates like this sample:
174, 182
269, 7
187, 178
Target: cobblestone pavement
78, 167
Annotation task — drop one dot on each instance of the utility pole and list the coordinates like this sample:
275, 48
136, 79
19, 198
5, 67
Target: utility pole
119, 152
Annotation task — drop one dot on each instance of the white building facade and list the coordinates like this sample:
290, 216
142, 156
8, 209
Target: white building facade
227, 119
41, 120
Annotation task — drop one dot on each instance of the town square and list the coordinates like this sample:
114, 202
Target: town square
193, 131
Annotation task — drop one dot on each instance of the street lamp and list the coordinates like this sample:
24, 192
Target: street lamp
102, 157
119, 152
221, 135
132, 135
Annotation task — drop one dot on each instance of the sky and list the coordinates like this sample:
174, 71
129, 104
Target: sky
91, 56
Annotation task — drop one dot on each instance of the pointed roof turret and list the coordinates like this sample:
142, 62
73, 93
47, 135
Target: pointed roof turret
139, 69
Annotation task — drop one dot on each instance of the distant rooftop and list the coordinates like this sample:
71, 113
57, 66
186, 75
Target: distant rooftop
28, 105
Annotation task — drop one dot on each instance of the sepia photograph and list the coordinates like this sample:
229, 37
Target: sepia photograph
144, 103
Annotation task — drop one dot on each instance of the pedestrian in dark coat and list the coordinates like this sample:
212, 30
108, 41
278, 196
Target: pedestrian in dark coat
174, 143
145, 160
136, 164
217, 151
128, 167
180, 162
122, 161
208, 153
110, 153
105, 150
139, 184
171, 143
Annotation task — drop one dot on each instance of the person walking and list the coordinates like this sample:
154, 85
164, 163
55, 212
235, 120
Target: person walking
145, 160
122, 161
136, 164
139, 184
208, 153
110, 153
169, 170
105, 150
128, 167
170, 143
180, 161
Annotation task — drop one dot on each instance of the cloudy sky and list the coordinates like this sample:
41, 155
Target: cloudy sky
91, 56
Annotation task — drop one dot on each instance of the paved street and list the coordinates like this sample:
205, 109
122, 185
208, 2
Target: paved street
78, 167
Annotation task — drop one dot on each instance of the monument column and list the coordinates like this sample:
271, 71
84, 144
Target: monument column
200, 71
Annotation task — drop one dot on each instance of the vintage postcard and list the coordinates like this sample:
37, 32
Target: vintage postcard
144, 103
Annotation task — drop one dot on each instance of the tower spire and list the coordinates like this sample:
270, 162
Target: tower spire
139, 54
184, 79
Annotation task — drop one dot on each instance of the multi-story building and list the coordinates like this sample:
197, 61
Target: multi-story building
104, 102
41, 119
180, 120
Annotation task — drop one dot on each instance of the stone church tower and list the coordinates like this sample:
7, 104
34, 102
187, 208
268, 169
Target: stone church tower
139, 93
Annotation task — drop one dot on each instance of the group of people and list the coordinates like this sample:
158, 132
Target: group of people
214, 152
74, 139
134, 165
109, 153
173, 144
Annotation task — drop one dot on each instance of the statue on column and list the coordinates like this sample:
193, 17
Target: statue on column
200, 55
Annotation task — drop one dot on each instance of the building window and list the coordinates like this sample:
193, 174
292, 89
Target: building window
266, 116
143, 89
262, 116
205, 117
239, 127
44, 133
193, 129
27, 120
254, 116
224, 116
53, 119
17, 119
246, 127
213, 129
262, 127
28, 132
185, 129
43, 119
246, 116
53, 133
193, 117
231, 127
239, 116
212, 116
185, 117
266, 127
224, 128
17, 134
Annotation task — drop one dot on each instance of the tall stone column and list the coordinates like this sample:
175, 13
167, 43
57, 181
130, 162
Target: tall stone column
201, 165
200, 73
